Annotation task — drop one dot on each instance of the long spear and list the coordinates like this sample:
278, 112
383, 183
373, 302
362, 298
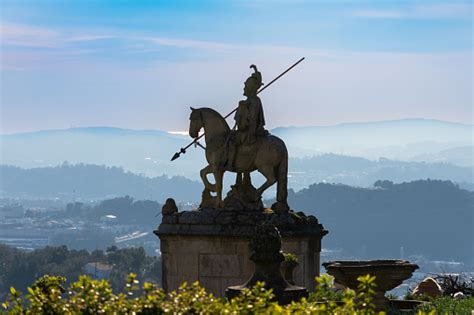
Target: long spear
195, 141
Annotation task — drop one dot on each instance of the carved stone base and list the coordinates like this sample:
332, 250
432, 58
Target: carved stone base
207, 200
243, 197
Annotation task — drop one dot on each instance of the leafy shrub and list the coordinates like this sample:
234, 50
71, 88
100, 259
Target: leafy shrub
448, 305
87, 296
324, 290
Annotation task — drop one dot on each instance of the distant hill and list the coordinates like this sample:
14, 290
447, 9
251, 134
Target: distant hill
93, 181
463, 156
68, 181
149, 151
356, 171
141, 151
126, 210
397, 139
430, 218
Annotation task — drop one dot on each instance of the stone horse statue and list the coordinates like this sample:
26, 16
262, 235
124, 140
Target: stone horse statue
268, 155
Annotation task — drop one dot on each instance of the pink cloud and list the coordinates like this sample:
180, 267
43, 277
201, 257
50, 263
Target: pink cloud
26, 35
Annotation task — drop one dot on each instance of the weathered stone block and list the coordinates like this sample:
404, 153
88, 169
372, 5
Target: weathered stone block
171, 282
299, 274
168, 260
170, 219
219, 265
188, 265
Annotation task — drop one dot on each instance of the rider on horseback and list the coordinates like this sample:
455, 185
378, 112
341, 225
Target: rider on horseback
249, 117
243, 149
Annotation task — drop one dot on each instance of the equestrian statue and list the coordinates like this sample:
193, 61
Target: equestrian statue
245, 148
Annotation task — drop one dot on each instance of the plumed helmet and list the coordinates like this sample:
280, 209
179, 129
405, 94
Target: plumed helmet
254, 82
257, 75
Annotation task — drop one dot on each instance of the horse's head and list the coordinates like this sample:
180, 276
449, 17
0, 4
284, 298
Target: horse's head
195, 122
208, 119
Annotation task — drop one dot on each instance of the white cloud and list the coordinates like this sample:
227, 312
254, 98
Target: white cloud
24, 35
219, 47
381, 14
89, 38
64, 44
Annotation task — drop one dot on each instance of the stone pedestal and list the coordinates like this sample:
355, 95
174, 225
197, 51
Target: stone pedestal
212, 246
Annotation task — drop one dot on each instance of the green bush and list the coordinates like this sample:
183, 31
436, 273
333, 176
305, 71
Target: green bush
86, 296
448, 305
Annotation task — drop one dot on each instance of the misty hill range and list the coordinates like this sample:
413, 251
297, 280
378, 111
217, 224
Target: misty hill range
83, 181
360, 153
425, 140
406, 139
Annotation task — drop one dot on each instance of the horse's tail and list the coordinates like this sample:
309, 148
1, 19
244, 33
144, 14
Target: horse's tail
282, 175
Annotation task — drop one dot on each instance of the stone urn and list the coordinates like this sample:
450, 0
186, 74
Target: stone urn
267, 257
388, 275
287, 268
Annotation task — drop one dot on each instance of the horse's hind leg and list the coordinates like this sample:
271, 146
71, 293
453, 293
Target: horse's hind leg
219, 175
207, 185
270, 176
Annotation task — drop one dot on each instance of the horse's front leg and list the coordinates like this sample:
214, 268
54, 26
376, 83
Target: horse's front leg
219, 175
269, 173
207, 185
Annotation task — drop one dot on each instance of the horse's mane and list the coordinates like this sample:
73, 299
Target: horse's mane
217, 114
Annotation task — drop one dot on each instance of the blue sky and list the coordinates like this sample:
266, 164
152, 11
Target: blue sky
141, 64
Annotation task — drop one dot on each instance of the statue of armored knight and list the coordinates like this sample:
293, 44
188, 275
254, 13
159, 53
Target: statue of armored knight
249, 117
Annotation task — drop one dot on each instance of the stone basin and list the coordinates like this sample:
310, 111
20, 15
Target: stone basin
388, 275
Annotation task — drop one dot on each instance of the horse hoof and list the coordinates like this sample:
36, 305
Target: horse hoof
280, 207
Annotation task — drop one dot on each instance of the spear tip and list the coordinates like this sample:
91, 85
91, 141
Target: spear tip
175, 156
